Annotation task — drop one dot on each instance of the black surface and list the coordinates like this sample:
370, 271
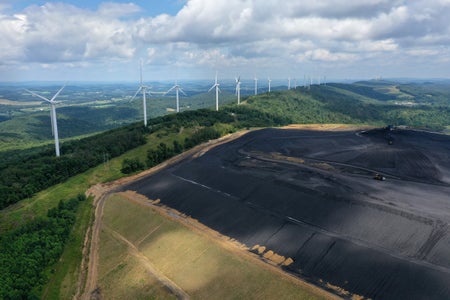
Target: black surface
381, 239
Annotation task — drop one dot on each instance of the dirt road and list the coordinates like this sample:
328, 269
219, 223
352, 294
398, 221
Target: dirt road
101, 193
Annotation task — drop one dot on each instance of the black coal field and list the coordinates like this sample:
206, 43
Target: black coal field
366, 211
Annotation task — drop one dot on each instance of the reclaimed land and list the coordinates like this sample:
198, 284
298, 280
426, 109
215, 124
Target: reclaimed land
154, 252
311, 196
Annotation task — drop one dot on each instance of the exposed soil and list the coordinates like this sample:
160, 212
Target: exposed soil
311, 196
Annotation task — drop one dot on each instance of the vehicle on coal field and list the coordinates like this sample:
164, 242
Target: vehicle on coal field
379, 177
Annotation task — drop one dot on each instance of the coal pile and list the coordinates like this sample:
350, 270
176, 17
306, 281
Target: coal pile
311, 196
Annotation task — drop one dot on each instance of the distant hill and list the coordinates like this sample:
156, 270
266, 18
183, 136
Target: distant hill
25, 122
415, 105
28, 164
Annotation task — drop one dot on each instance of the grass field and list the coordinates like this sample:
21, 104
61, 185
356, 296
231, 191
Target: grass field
64, 275
197, 263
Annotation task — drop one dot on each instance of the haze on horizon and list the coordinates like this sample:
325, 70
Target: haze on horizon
104, 41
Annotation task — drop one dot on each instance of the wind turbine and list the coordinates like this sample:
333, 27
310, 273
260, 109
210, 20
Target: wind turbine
238, 89
52, 116
142, 88
289, 83
177, 89
216, 85
256, 85
269, 80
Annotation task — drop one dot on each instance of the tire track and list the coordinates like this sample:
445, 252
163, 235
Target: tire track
133, 250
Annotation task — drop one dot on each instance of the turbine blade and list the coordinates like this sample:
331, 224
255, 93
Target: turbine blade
140, 69
36, 95
137, 92
212, 88
57, 93
182, 91
171, 89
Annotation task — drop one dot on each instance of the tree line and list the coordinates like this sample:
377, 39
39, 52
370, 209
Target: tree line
24, 174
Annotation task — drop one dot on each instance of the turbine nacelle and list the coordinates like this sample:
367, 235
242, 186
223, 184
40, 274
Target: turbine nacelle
216, 86
52, 115
177, 89
142, 88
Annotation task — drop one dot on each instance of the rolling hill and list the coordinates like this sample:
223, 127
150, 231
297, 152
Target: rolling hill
33, 181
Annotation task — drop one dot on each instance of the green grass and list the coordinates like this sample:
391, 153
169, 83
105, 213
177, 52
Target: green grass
63, 279
201, 266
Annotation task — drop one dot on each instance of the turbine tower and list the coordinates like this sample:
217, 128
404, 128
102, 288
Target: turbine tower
216, 85
256, 85
177, 89
269, 81
238, 89
289, 83
52, 116
142, 88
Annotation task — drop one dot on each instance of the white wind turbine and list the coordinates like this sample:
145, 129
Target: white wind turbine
142, 88
256, 85
238, 89
52, 116
177, 89
216, 85
269, 81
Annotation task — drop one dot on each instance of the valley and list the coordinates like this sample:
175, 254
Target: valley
303, 200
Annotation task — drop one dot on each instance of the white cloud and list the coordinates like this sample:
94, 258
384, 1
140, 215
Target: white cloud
11, 38
226, 32
325, 55
114, 10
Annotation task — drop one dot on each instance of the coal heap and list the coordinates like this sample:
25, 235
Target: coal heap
312, 196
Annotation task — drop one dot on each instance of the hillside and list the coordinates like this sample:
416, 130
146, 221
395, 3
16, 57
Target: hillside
88, 109
358, 103
32, 180
84, 110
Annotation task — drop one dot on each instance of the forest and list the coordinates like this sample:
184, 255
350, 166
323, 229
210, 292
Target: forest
24, 172
26, 252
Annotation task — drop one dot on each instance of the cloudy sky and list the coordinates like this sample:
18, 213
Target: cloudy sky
104, 41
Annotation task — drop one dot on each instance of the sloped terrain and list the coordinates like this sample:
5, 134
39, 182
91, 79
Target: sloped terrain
311, 196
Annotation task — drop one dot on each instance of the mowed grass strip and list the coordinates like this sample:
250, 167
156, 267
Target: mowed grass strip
194, 261
122, 276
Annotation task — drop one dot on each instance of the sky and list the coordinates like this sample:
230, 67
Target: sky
90, 40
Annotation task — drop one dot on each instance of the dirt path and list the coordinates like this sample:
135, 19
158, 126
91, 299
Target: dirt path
89, 274
100, 193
